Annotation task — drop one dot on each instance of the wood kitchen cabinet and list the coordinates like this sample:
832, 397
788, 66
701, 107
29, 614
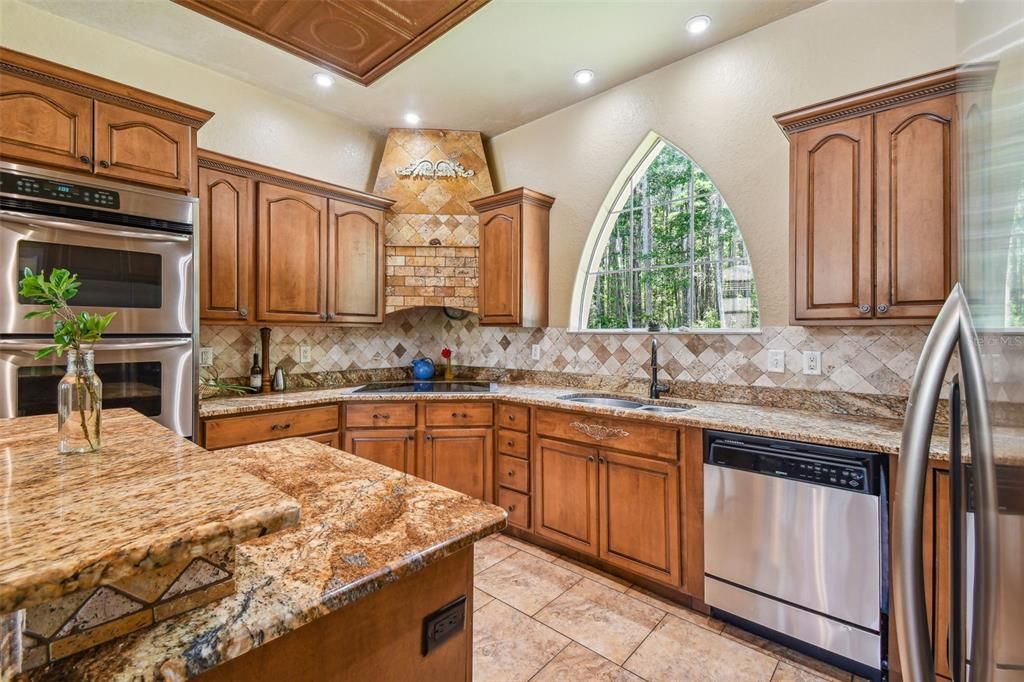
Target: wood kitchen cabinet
355, 263
873, 202
395, 448
57, 116
227, 232
565, 501
461, 459
228, 432
514, 258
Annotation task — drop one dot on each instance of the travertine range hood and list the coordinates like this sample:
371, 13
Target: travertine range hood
431, 232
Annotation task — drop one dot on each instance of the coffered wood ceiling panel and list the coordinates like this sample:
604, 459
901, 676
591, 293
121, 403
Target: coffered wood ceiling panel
359, 39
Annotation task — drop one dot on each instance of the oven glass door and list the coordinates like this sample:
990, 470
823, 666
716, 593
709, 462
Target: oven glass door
150, 375
143, 275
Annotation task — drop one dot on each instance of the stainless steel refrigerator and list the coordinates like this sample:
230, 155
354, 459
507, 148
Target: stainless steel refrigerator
979, 336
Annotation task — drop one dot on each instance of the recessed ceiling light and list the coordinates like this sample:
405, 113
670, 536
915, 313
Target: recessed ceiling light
412, 118
324, 80
698, 24
583, 76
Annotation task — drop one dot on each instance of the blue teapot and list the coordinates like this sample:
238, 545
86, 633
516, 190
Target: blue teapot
423, 369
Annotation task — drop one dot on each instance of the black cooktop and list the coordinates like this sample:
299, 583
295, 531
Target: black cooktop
428, 387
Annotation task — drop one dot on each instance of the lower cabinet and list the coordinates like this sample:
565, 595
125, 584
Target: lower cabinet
395, 448
327, 439
566, 494
460, 459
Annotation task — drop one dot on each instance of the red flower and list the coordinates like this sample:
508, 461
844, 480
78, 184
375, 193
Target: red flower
446, 352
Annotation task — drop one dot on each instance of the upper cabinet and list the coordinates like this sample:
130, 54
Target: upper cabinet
873, 202
514, 258
56, 116
278, 247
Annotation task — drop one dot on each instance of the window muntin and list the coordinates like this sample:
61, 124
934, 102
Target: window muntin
671, 251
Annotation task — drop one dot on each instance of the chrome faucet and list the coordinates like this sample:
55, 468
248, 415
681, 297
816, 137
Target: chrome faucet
656, 388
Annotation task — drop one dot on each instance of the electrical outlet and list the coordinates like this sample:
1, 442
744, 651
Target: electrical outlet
776, 360
812, 361
304, 354
443, 624
535, 351
205, 357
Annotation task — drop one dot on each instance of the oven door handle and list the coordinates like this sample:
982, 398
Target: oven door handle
110, 344
90, 227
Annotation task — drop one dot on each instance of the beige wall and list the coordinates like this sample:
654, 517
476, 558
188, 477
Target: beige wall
250, 123
717, 106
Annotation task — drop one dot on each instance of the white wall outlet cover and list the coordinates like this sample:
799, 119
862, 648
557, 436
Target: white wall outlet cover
304, 355
812, 361
205, 357
535, 351
776, 360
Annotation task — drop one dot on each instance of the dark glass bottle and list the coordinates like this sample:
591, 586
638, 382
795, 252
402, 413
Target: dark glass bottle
256, 374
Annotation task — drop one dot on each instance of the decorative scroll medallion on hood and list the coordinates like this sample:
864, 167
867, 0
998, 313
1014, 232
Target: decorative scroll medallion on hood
431, 232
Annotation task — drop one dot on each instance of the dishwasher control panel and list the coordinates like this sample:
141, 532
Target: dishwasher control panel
849, 477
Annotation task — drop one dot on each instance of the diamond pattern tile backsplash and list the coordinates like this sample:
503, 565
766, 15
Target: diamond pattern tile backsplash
869, 360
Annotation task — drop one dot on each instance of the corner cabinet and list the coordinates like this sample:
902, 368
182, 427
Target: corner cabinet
56, 116
873, 202
277, 247
514, 258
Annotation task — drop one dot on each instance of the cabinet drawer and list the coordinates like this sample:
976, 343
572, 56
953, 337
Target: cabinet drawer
517, 505
513, 473
514, 417
459, 414
327, 439
514, 443
369, 415
618, 434
258, 428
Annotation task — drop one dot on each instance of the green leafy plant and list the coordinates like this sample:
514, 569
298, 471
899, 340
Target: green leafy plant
212, 385
71, 330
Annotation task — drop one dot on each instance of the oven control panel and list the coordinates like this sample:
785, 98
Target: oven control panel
51, 190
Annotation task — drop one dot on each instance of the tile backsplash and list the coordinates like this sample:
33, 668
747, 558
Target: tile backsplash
866, 360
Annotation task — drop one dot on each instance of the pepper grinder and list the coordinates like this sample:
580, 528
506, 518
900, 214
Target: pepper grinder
265, 345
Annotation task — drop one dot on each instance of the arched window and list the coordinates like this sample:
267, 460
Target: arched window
665, 249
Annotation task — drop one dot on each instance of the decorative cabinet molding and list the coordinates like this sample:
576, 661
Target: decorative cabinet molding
57, 116
874, 200
514, 257
279, 247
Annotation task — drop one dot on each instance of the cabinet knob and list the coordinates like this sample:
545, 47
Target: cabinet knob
864, 309
84, 159
105, 164
511, 417
509, 443
323, 316
330, 316
883, 308
511, 508
243, 312
590, 458
429, 437
602, 460
511, 473
411, 437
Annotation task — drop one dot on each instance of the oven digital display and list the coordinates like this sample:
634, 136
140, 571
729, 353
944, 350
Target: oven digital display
29, 186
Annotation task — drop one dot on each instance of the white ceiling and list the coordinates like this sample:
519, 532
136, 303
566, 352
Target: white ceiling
509, 63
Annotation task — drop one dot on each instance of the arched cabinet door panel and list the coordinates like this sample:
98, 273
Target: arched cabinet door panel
137, 147
44, 125
226, 246
499, 265
355, 264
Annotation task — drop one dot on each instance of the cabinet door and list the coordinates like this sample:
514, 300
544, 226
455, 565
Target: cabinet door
639, 520
326, 438
138, 147
291, 255
355, 264
226, 249
45, 125
832, 232
915, 150
395, 448
500, 281
565, 497
461, 459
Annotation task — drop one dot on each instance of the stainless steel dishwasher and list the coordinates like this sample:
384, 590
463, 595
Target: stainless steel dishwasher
795, 545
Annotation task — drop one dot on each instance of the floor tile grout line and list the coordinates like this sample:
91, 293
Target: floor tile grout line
661, 620
549, 661
580, 577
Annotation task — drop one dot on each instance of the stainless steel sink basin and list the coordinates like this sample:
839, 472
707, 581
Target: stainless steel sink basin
662, 409
606, 402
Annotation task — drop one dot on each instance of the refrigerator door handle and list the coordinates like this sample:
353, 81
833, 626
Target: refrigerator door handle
915, 650
986, 511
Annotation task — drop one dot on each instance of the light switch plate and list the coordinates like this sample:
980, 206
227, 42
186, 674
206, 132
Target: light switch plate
812, 362
304, 354
776, 360
205, 357
535, 351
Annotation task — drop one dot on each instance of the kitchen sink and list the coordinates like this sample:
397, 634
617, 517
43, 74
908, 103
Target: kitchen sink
607, 401
663, 409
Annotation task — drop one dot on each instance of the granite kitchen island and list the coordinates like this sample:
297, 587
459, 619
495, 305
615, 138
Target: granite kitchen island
374, 553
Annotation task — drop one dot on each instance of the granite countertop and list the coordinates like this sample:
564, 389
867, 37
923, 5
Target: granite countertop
363, 526
863, 433
149, 498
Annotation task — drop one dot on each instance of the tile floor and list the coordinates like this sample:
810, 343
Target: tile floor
543, 617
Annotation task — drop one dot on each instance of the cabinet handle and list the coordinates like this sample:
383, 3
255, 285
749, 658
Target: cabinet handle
84, 159
330, 316
599, 431
590, 458
510, 443
411, 437
429, 437
280, 427
864, 309
323, 316
511, 473
511, 508
105, 164
511, 417
243, 312
883, 308
602, 460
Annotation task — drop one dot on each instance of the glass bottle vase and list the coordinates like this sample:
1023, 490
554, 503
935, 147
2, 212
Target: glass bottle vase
79, 405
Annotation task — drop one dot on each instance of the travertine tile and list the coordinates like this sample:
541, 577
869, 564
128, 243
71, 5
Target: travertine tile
607, 579
680, 650
480, 599
536, 551
797, 659
488, 552
677, 610
577, 663
526, 582
788, 673
601, 619
509, 646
